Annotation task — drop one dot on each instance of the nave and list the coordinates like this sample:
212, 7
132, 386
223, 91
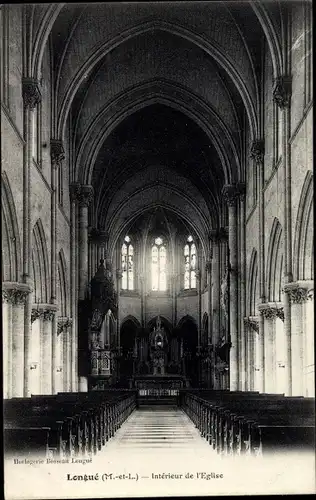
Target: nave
194, 438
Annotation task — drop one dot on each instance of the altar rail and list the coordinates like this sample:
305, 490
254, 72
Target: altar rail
151, 392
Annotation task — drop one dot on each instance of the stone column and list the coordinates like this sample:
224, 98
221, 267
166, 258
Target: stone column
119, 276
85, 198
269, 314
7, 304
215, 289
74, 191
257, 155
31, 98
142, 299
47, 350
173, 280
198, 280
64, 329
298, 297
282, 97
18, 345
57, 154
15, 296
231, 193
251, 328
242, 291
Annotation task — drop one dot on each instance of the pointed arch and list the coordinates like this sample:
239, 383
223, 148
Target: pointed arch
275, 263
62, 285
131, 319
164, 321
186, 319
304, 231
11, 246
40, 265
253, 283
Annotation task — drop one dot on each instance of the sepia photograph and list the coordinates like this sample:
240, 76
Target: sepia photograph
157, 249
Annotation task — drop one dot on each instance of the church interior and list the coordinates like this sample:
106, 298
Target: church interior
157, 222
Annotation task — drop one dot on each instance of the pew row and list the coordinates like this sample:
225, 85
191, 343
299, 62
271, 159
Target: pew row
66, 424
251, 423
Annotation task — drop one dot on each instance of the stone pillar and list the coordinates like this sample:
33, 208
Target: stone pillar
31, 98
242, 291
251, 328
298, 296
47, 351
198, 282
15, 296
215, 290
74, 191
173, 280
7, 304
142, 299
231, 193
208, 270
282, 97
261, 367
85, 198
64, 329
119, 276
269, 314
57, 154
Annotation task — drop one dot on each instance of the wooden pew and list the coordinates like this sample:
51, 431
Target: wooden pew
79, 424
236, 422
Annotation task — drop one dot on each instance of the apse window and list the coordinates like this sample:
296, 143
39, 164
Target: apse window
159, 265
189, 264
127, 264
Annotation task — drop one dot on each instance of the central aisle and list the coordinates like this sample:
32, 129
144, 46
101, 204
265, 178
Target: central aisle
158, 452
160, 428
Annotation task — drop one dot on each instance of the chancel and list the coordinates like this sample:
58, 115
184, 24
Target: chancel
157, 225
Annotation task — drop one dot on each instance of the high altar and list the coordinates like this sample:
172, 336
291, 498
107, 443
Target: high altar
158, 380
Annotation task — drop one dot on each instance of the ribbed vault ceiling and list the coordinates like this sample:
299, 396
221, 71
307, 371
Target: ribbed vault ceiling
159, 96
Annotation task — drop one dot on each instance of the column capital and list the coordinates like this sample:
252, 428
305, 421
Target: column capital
251, 323
298, 294
39, 310
48, 315
74, 191
271, 311
63, 324
15, 293
85, 195
57, 152
282, 91
31, 92
257, 151
231, 193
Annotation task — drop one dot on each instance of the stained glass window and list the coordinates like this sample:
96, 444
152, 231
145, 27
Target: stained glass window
189, 264
159, 265
127, 256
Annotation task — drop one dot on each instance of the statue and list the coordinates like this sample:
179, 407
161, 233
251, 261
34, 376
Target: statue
158, 348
